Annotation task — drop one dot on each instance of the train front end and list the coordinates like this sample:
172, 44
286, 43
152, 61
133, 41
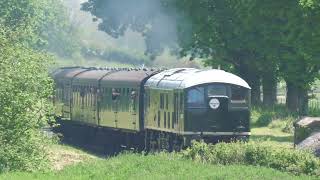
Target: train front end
217, 107
186, 104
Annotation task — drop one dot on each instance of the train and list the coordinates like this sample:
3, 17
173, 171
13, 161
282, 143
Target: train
150, 109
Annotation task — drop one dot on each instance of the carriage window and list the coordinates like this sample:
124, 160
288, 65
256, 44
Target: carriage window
239, 94
82, 91
149, 99
159, 118
196, 97
181, 102
217, 90
167, 101
133, 94
115, 93
169, 119
161, 101
173, 119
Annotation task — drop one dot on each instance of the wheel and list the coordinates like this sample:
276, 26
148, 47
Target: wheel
176, 143
242, 138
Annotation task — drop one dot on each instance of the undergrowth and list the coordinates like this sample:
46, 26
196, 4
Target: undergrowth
257, 154
275, 117
157, 166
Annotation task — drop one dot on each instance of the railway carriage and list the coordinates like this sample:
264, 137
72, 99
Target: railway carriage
186, 104
148, 109
63, 81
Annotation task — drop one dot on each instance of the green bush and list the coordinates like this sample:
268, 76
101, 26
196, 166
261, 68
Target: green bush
24, 90
257, 154
285, 124
276, 117
264, 119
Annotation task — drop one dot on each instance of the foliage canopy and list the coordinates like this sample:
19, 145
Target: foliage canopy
25, 86
24, 91
256, 39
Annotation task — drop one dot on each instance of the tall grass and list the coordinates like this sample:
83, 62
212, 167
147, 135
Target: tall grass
277, 116
158, 166
314, 107
256, 154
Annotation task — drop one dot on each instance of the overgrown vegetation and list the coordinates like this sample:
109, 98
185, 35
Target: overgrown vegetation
158, 166
276, 117
25, 87
24, 91
256, 154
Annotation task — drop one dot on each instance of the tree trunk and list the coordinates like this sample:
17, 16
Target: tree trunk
253, 79
297, 99
255, 84
292, 97
303, 102
269, 83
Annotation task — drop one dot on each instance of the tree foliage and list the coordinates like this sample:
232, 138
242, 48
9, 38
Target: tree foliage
24, 90
25, 86
256, 39
41, 24
310, 3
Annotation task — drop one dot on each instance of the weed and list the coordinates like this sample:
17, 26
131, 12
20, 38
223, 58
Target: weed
257, 154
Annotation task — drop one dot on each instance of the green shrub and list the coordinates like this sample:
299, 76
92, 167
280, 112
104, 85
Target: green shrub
314, 111
257, 154
24, 90
265, 119
276, 117
285, 124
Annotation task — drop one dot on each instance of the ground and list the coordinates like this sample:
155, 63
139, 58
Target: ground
62, 155
274, 135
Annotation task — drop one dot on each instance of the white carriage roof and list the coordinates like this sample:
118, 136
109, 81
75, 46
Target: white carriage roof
181, 78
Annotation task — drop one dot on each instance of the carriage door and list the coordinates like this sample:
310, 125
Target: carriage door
175, 115
133, 108
93, 106
218, 107
66, 109
115, 105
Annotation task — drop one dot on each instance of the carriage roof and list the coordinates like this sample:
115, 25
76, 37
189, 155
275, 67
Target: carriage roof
107, 76
181, 78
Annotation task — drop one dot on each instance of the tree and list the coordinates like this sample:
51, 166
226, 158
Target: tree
310, 3
25, 88
41, 24
292, 36
224, 32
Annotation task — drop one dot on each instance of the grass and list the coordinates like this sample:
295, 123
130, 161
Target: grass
273, 135
61, 156
277, 117
272, 124
160, 166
